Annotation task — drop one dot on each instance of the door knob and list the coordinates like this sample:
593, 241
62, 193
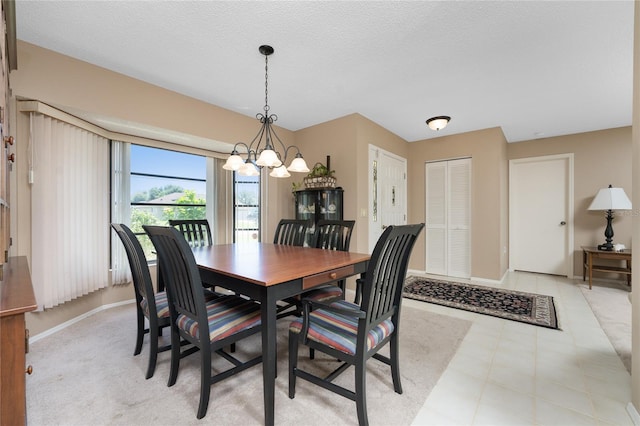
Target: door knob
563, 223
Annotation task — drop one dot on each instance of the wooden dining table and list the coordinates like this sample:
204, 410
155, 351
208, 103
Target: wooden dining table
268, 273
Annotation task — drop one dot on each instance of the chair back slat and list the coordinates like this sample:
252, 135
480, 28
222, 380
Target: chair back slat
180, 273
333, 234
197, 232
385, 275
291, 232
138, 265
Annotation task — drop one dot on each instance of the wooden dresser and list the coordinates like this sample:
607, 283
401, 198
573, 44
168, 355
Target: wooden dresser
16, 298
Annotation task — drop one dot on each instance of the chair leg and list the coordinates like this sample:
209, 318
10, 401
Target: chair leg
293, 363
175, 357
140, 334
361, 396
312, 353
153, 349
394, 356
205, 380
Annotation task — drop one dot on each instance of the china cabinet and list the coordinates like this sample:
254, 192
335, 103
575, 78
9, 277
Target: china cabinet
317, 204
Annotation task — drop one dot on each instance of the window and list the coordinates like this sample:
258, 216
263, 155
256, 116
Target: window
165, 185
246, 208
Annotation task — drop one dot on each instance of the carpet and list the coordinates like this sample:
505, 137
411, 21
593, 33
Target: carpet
86, 374
616, 322
529, 308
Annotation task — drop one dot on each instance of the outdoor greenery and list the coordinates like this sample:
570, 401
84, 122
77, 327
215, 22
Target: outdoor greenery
182, 208
155, 193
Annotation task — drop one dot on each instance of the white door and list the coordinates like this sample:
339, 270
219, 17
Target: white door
387, 192
448, 207
540, 218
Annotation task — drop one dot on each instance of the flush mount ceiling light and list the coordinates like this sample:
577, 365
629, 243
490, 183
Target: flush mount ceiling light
439, 122
261, 154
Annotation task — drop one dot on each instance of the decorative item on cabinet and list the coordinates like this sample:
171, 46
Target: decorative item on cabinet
321, 176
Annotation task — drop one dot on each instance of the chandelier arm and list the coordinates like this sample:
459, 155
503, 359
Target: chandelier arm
284, 147
235, 151
259, 135
286, 151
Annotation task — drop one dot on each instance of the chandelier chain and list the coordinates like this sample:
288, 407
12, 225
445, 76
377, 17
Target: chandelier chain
266, 84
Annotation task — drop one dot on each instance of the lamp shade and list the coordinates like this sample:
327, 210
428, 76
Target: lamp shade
248, 169
298, 165
268, 158
280, 172
610, 199
234, 162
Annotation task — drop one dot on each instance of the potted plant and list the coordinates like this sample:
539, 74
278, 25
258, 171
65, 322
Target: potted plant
320, 177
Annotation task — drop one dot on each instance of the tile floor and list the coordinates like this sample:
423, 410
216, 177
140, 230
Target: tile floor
509, 373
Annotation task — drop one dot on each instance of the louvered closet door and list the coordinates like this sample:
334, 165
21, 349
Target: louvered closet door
448, 218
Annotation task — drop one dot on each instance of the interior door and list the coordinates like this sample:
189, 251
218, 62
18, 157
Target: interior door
448, 208
540, 219
388, 192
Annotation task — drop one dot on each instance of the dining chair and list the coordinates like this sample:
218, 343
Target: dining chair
150, 305
332, 235
196, 231
354, 333
291, 232
209, 326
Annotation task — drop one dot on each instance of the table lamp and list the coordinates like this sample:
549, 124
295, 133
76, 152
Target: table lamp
610, 199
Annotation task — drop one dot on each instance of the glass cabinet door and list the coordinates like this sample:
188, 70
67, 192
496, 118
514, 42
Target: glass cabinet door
330, 205
306, 205
317, 204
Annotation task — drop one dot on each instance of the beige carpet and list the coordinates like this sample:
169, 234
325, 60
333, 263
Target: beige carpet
611, 306
86, 375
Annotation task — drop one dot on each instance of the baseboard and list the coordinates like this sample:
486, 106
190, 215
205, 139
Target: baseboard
599, 280
486, 280
66, 324
445, 277
633, 413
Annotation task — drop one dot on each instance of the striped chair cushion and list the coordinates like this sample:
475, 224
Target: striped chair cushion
227, 315
323, 294
339, 331
162, 304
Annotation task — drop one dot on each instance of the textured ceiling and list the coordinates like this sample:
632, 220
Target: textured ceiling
534, 68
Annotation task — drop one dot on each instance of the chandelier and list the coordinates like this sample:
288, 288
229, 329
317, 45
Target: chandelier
263, 151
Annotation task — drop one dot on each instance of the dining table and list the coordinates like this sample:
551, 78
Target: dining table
269, 273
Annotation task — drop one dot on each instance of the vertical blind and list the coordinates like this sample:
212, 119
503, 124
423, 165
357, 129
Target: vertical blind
69, 176
120, 210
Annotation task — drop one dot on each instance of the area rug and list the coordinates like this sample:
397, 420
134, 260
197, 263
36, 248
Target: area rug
529, 308
86, 374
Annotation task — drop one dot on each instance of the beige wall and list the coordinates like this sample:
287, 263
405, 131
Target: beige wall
600, 158
487, 150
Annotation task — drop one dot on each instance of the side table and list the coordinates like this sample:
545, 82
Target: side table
589, 254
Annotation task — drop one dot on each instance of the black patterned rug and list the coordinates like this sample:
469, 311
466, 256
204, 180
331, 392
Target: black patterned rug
530, 308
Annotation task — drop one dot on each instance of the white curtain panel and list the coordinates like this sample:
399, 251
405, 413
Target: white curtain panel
120, 210
70, 230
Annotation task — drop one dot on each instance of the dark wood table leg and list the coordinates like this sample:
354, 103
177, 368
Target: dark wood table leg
269, 358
